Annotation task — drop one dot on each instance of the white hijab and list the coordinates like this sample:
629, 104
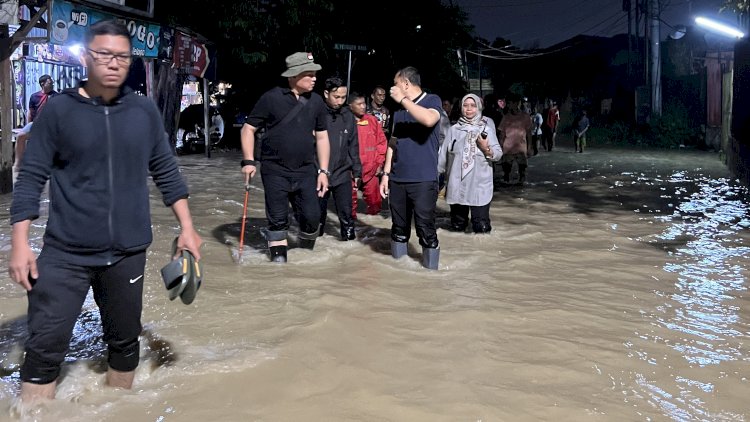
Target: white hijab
473, 127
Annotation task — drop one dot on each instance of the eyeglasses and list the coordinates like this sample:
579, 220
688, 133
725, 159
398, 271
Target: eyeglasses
102, 57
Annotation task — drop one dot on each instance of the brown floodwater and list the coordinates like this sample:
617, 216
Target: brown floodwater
613, 286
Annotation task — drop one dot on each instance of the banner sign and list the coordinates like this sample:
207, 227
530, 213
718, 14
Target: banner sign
190, 54
70, 22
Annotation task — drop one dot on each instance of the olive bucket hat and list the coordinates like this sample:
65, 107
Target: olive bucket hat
298, 63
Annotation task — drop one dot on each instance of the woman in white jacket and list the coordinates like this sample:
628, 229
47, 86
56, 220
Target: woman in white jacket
466, 157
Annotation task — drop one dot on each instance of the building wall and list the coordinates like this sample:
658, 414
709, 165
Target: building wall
738, 155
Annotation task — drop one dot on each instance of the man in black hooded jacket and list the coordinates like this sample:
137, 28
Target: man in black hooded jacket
96, 145
346, 169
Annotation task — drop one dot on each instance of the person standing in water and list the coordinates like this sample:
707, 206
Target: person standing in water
97, 160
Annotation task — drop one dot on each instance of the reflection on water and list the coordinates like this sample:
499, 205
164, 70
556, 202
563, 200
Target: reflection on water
612, 287
702, 310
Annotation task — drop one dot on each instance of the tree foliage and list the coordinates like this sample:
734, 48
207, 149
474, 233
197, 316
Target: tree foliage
741, 8
254, 37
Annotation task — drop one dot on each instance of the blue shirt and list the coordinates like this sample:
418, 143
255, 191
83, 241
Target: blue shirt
415, 157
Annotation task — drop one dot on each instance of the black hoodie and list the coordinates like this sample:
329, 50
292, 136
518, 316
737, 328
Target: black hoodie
97, 158
344, 163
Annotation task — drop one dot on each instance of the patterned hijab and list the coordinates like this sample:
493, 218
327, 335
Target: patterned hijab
473, 127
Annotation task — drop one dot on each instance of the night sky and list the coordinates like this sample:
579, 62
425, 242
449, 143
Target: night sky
542, 23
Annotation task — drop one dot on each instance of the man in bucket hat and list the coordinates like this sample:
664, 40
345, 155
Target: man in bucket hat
294, 153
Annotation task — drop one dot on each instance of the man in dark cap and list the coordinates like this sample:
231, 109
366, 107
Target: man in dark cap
294, 153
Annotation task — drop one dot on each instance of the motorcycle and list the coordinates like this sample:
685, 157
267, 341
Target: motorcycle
195, 140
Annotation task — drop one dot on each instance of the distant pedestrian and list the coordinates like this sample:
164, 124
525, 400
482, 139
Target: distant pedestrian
580, 127
551, 121
536, 129
376, 107
515, 137
38, 99
22, 138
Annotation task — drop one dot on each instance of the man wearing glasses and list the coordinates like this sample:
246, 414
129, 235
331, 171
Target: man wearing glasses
40, 98
96, 144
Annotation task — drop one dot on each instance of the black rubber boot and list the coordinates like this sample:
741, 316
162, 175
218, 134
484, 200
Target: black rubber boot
307, 243
482, 227
347, 233
278, 253
430, 258
307, 240
398, 249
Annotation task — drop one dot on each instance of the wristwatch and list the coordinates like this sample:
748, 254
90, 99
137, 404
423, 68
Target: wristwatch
244, 163
324, 171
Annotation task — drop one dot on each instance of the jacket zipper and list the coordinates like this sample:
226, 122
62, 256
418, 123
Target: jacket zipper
110, 217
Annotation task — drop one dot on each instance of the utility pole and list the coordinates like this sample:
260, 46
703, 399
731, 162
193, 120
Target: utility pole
479, 65
655, 60
626, 4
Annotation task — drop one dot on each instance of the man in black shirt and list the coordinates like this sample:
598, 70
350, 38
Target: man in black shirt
39, 98
296, 133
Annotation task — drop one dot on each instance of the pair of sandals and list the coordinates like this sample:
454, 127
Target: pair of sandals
183, 276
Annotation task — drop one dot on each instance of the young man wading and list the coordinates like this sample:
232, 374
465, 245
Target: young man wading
96, 145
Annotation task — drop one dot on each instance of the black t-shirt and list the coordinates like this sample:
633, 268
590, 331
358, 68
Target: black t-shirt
288, 149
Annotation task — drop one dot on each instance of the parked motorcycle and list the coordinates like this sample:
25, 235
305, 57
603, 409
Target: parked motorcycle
194, 140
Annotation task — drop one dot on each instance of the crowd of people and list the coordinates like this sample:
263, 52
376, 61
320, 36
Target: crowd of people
314, 148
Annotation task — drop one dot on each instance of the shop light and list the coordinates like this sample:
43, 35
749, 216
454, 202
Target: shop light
75, 49
719, 27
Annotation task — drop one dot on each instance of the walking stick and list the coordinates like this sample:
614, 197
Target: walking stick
244, 218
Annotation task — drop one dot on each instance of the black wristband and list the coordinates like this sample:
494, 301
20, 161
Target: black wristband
244, 163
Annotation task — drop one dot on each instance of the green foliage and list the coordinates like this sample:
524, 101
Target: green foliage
615, 133
668, 131
253, 37
741, 8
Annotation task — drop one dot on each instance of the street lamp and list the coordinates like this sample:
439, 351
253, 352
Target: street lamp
719, 27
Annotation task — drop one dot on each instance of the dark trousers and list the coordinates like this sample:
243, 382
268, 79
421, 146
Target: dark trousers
301, 193
55, 302
480, 218
416, 199
535, 143
342, 196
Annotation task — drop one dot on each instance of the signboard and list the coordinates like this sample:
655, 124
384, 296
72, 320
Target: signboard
140, 7
69, 24
190, 54
350, 47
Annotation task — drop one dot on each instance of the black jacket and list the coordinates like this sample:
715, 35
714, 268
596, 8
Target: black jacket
344, 163
97, 158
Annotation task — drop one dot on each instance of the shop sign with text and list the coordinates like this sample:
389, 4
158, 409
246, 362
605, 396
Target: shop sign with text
71, 21
190, 54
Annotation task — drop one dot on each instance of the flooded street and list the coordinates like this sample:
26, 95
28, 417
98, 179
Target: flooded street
613, 286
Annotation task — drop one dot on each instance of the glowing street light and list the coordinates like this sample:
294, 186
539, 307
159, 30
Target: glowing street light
719, 27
